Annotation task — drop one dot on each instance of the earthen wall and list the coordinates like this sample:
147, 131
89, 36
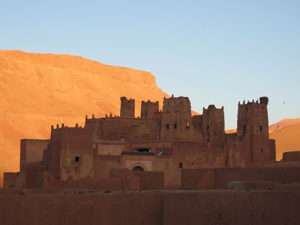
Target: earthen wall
31, 151
152, 208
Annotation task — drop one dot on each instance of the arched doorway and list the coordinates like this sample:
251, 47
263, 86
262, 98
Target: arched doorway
138, 169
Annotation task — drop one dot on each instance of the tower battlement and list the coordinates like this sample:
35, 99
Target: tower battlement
176, 104
212, 108
261, 101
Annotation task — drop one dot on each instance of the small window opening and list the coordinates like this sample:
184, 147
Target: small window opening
261, 150
138, 169
143, 150
244, 129
261, 129
168, 126
77, 159
175, 125
180, 165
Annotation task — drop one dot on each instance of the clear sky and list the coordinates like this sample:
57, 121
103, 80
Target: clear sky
212, 51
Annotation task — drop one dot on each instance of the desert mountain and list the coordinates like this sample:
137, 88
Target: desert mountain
38, 90
287, 136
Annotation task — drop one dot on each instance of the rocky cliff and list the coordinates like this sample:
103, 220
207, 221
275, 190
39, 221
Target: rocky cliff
38, 90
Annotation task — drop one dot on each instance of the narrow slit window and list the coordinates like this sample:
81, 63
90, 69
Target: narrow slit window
180, 165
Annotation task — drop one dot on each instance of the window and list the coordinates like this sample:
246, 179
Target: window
175, 125
261, 150
244, 129
261, 129
168, 126
187, 125
180, 165
138, 169
77, 159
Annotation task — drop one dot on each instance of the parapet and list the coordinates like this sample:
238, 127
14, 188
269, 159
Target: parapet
213, 108
125, 99
62, 126
261, 101
264, 100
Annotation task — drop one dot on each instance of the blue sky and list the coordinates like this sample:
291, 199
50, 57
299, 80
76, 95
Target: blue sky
212, 51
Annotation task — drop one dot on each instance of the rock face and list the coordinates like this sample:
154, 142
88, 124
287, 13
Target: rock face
287, 136
38, 90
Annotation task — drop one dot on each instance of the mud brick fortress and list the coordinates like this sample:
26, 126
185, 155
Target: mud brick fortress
162, 143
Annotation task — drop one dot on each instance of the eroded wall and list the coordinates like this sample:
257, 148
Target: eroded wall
220, 178
81, 209
151, 208
232, 208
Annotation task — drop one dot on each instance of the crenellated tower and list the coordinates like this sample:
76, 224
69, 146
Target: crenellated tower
213, 125
253, 131
149, 109
176, 117
127, 108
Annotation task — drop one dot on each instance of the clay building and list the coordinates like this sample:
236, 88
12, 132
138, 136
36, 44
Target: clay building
162, 141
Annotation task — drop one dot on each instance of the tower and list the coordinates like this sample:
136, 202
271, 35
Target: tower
149, 109
213, 125
176, 117
253, 131
127, 108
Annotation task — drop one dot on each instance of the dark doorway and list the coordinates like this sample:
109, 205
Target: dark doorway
138, 169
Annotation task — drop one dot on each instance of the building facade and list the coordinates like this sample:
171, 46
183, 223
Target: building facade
166, 141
